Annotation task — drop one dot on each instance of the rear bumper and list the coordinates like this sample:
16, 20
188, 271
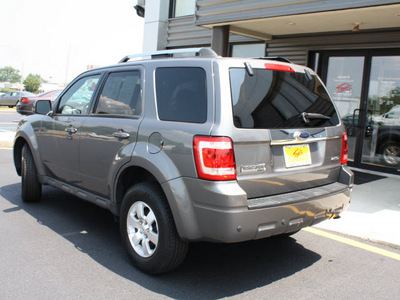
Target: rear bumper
221, 212
24, 110
249, 224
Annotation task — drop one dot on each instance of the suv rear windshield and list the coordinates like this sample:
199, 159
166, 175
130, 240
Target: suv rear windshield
278, 99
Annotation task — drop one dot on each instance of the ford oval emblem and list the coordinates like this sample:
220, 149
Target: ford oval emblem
301, 135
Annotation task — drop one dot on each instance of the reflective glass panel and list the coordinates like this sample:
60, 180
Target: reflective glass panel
381, 144
344, 82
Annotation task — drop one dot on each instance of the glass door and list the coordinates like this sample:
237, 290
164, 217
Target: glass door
381, 143
365, 86
344, 83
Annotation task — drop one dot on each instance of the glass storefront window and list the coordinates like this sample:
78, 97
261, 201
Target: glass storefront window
381, 145
184, 7
248, 50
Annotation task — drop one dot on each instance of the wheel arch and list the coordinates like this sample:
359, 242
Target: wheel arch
146, 171
27, 136
142, 167
127, 178
17, 153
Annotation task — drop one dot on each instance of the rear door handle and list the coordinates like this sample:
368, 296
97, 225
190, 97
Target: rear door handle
120, 134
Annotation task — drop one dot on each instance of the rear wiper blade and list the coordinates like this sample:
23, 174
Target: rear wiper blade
306, 116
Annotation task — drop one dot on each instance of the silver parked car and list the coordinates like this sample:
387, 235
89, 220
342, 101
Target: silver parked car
199, 148
11, 99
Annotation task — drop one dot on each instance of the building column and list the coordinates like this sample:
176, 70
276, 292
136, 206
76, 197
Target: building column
155, 26
220, 40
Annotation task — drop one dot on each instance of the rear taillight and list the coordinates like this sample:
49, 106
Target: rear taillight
214, 158
24, 100
345, 149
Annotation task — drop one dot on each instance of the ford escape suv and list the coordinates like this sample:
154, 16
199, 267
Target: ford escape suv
183, 149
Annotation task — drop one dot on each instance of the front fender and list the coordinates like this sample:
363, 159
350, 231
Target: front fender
26, 134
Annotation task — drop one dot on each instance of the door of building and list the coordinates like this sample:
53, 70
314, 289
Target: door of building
365, 86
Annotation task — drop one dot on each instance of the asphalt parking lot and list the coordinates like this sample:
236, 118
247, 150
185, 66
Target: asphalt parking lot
65, 248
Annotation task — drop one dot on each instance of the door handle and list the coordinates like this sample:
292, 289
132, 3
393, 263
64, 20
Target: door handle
354, 116
120, 134
71, 129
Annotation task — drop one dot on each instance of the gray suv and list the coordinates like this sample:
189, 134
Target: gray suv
183, 149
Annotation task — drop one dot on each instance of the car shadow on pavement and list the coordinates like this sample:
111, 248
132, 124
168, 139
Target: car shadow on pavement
210, 270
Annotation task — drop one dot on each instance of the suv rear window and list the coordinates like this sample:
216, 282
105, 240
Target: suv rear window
278, 99
181, 94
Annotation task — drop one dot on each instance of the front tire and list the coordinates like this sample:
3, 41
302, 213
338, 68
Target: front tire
390, 151
148, 230
31, 187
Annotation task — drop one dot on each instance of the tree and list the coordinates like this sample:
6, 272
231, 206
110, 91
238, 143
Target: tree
9, 74
32, 82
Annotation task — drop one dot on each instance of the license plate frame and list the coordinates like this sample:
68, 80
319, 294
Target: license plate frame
297, 155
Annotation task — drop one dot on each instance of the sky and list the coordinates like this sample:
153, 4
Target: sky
58, 39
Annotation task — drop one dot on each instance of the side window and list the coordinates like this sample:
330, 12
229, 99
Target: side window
181, 94
121, 94
77, 99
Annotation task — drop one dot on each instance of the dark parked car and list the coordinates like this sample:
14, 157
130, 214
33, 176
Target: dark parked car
11, 99
26, 106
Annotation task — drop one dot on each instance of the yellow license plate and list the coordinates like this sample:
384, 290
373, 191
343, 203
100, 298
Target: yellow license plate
298, 155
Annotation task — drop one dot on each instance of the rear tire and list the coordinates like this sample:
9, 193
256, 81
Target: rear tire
148, 230
31, 187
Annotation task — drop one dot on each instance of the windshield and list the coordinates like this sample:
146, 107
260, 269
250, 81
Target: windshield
278, 99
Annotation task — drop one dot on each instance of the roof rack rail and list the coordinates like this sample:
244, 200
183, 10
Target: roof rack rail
203, 52
277, 58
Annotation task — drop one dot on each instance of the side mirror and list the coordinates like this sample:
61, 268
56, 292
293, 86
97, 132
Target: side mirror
42, 107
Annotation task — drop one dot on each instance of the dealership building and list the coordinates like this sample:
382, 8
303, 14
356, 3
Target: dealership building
354, 46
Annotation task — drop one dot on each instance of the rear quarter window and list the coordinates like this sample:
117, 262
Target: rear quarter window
181, 94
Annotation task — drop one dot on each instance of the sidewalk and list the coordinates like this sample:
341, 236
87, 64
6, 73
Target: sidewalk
6, 140
374, 212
